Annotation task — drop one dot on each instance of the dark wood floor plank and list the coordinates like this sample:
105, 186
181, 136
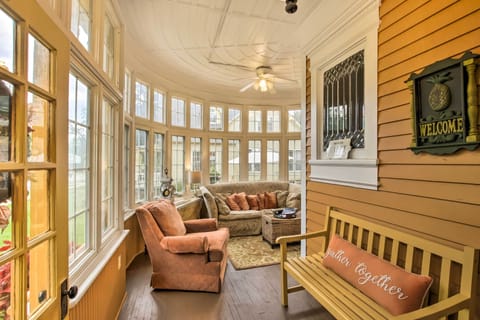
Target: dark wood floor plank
252, 294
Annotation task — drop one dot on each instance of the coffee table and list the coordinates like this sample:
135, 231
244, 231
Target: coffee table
272, 227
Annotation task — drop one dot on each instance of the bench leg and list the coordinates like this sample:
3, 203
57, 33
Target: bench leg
283, 276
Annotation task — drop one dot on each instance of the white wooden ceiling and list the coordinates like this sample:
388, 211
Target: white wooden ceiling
179, 39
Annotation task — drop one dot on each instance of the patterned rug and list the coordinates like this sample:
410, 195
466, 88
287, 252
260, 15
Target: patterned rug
253, 251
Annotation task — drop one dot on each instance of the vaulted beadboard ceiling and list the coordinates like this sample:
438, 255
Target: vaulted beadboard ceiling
178, 40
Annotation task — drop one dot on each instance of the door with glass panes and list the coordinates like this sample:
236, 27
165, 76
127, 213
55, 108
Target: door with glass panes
34, 61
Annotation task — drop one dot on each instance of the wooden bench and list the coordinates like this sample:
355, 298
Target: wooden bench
454, 271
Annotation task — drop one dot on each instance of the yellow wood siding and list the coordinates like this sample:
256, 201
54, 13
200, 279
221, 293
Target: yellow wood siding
104, 298
435, 196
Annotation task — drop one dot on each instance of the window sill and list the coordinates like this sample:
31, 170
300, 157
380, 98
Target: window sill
357, 173
91, 269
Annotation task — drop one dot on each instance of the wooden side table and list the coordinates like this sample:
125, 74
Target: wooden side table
272, 228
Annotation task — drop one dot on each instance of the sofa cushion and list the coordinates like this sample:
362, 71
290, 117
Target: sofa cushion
281, 198
242, 215
261, 201
397, 290
293, 200
232, 203
270, 200
241, 200
252, 200
167, 217
222, 206
220, 200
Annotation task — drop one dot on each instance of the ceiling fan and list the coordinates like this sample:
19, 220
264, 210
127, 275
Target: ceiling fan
265, 80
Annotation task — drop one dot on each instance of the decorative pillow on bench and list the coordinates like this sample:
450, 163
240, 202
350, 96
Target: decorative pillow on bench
397, 290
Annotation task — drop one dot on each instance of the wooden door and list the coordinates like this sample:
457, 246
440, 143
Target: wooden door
33, 162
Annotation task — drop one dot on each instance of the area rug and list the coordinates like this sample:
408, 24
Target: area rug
253, 251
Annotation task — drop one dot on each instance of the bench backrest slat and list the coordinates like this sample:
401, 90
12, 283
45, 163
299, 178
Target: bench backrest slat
426, 258
444, 278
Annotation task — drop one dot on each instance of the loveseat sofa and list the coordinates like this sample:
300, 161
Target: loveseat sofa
245, 221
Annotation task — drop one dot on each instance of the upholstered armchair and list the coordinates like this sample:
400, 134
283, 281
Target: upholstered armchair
185, 255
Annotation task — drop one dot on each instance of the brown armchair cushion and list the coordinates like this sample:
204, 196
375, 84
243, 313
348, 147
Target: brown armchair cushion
201, 225
185, 244
168, 218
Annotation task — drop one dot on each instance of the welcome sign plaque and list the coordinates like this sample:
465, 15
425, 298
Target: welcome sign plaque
445, 106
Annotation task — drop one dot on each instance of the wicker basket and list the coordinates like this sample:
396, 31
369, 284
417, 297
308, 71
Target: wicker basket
272, 228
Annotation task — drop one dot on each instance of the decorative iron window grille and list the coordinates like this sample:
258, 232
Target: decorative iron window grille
343, 102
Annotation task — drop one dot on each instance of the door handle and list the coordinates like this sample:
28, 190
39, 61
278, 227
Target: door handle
65, 294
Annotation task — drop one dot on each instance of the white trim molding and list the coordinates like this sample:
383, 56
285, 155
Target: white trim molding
352, 172
360, 170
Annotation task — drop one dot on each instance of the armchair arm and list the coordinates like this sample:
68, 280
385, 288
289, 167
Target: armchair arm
201, 225
183, 244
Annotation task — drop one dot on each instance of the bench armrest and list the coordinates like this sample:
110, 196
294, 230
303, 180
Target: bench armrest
297, 237
443, 308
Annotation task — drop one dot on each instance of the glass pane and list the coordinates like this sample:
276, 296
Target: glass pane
37, 131
141, 157
157, 164
5, 211
39, 277
234, 120
80, 21
77, 235
7, 288
7, 39
6, 100
38, 63
108, 180
126, 166
294, 120
81, 190
141, 100
108, 48
38, 209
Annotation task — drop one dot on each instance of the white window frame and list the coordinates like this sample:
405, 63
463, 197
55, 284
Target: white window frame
361, 169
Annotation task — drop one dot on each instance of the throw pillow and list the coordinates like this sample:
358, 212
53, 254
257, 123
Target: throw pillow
222, 207
270, 200
168, 218
293, 200
281, 198
241, 200
261, 201
232, 203
220, 200
397, 290
252, 200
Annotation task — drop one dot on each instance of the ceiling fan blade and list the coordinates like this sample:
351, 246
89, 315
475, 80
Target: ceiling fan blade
286, 80
248, 86
241, 66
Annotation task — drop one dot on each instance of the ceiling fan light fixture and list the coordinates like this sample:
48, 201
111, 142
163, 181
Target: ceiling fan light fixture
263, 85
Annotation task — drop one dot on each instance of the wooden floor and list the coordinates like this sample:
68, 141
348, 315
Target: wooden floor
252, 294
